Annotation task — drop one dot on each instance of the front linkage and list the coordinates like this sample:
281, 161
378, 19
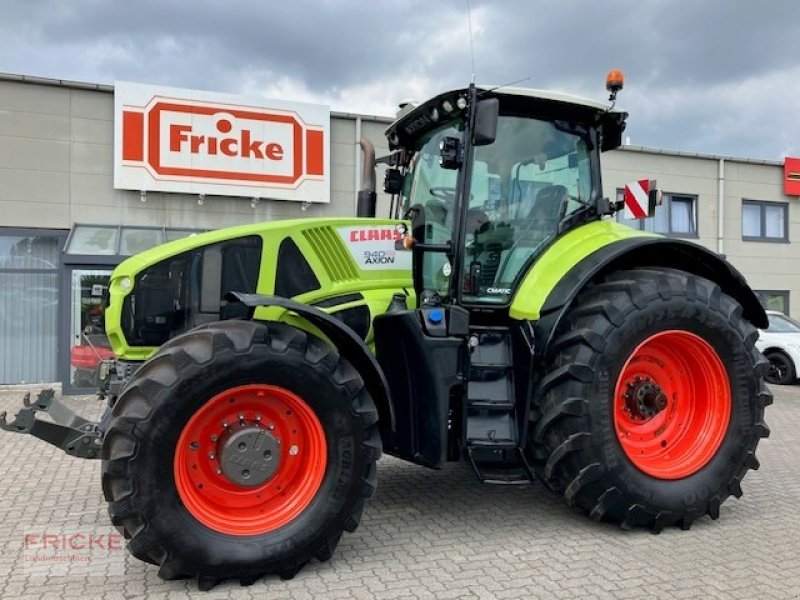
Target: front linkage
68, 431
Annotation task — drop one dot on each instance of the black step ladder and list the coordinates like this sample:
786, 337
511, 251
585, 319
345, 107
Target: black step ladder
491, 409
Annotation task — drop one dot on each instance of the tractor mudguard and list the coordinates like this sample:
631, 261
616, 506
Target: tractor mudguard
347, 341
644, 251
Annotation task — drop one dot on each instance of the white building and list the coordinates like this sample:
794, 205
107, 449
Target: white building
57, 157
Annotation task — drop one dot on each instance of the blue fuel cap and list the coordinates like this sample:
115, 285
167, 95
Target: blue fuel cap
435, 316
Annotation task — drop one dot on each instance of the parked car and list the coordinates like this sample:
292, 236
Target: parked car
780, 343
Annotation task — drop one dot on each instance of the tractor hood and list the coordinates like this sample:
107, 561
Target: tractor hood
342, 265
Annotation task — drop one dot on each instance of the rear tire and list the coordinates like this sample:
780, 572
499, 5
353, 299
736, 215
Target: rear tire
171, 521
581, 442
781, 371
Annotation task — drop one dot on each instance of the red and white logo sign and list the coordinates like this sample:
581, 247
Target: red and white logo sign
199, 142
638, 204
791, 176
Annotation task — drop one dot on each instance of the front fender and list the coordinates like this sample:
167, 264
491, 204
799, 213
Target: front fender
346, 341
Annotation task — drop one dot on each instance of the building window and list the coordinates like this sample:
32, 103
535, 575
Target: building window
765, 221
774, 300
111, 240
677, 216
29, 304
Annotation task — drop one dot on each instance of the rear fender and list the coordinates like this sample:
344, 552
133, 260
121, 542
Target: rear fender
636, 252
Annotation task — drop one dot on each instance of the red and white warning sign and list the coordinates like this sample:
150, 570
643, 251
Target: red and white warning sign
176, 140
640, 199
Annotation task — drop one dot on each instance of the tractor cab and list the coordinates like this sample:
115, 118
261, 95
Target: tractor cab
490, 177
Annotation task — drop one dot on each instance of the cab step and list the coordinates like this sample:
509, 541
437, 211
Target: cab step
511, 469
491, 430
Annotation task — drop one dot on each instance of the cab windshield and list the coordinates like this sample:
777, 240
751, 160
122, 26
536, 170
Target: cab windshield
523, 185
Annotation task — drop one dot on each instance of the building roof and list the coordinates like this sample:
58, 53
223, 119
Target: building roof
550, 95
662, 151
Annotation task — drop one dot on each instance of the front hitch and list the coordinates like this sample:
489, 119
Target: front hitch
69, 431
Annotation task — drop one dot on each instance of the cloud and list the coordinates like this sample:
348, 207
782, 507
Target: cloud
711, 76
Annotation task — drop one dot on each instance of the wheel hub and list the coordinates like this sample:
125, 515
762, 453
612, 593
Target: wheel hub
672, 404
249, 456
250, 459
644, 398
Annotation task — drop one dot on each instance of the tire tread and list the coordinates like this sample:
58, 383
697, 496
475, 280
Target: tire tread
132, 419
560, 434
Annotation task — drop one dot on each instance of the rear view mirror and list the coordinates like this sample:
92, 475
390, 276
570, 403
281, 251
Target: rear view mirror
393, 181
450, 152
485, 129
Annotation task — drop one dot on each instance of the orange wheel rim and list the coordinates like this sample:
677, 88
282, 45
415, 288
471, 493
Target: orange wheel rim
672, 404
250, 460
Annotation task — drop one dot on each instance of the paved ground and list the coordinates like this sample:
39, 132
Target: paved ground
443, 535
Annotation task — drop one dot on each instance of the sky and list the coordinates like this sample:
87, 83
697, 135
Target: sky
709, 76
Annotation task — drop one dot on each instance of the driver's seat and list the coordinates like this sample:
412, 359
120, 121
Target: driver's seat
549, 208
546, 213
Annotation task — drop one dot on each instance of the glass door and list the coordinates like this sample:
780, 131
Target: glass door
88, 342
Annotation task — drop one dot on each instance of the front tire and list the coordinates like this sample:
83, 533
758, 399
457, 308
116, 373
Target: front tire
653, 402
240, 449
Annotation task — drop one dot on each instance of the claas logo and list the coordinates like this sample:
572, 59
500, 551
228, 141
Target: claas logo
373, 235
176, 139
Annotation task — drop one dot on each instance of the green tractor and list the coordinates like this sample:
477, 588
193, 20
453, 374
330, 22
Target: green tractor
503, 317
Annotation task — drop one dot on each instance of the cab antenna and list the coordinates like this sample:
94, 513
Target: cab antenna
471, 45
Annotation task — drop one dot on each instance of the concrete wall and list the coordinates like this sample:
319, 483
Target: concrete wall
677, 175
766, 265
56, 167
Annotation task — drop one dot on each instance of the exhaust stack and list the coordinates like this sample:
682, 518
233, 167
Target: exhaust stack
367, 198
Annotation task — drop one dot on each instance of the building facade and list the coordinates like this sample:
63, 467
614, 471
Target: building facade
64, 225
736, 207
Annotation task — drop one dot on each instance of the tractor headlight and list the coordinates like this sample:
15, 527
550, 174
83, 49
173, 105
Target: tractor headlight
125, 284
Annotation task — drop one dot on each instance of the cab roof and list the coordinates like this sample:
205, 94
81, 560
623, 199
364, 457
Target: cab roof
416, 120
548, 95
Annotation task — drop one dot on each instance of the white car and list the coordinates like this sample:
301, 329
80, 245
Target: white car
780, 343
